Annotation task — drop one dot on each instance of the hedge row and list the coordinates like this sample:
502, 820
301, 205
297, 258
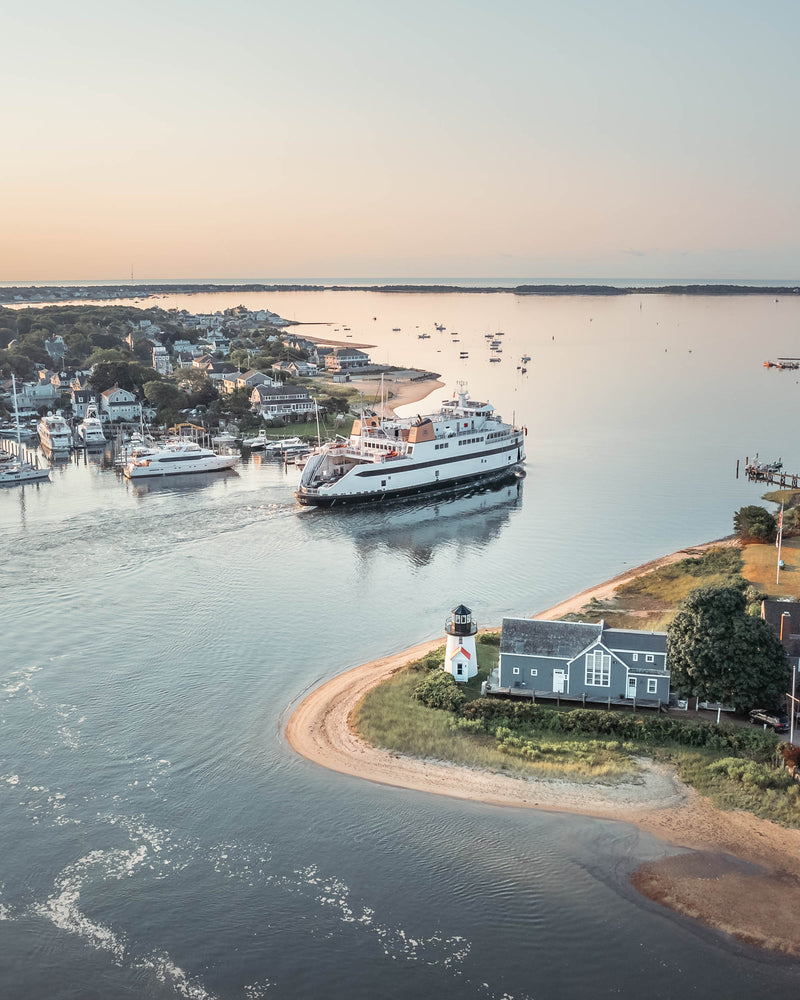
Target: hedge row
657, 729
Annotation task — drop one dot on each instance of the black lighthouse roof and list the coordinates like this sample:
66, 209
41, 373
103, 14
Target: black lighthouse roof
461, 610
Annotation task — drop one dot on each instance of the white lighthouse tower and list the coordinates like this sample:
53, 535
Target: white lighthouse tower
461, 658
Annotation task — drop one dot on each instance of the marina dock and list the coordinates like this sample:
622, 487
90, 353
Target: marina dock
769, 472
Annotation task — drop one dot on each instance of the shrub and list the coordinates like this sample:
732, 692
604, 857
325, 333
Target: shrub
655, 730
489, 638
439, 690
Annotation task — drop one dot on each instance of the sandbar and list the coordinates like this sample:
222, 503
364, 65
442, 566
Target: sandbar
737, 873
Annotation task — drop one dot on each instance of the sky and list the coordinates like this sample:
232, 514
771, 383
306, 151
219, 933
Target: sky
577, 139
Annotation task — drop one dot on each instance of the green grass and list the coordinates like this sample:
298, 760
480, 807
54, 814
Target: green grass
389, 717
785, 497
761, 563
778, 800
650, 601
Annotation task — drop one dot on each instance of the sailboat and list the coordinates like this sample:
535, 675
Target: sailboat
18, 472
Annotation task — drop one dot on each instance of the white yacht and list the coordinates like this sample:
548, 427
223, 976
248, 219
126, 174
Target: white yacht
17, 473
90, 429
54, 433
259, 441
224, 439
279, 445
14, 471
178, 458
465, 443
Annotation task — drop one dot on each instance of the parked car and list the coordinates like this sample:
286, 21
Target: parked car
775, 720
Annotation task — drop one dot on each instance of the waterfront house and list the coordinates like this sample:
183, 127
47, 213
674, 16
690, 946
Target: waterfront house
581, 661
119, 404
275, 401
343, 359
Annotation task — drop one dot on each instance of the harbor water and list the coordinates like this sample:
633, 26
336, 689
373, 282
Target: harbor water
159, 837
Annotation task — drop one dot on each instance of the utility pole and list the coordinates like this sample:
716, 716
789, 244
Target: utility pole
779, 543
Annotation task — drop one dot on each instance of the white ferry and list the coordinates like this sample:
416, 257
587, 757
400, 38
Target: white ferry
54, 433
465, 443
176, 459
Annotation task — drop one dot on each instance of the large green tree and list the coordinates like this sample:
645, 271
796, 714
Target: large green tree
126, 374
754, 524
719, 653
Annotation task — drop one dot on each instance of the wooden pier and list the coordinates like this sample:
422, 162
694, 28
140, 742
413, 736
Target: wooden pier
769, 472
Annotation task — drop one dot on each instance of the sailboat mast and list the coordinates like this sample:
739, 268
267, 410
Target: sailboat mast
16, 415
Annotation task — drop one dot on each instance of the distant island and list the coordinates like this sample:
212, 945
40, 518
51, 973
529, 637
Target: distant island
64, 293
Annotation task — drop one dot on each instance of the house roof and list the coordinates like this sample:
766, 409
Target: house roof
773, 612
270, 391
533, 637
638, 642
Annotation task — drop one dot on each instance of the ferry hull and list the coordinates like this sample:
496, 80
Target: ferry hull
465, 482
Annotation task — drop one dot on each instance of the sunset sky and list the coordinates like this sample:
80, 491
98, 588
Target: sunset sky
378, 140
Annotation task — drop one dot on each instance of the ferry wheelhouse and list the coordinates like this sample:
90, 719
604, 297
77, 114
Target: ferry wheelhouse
464, 444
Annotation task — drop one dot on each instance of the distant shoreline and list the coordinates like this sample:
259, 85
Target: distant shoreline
50, 294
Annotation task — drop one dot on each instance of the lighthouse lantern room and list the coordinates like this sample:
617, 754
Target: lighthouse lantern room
461, 658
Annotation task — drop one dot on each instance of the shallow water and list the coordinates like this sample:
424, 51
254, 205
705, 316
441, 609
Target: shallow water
160, 839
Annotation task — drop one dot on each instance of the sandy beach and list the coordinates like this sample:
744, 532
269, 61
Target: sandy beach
399, 388
737, 874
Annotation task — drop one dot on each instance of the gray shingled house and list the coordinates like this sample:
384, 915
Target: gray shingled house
581, 661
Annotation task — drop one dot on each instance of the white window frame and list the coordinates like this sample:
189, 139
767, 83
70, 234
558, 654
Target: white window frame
635, 657
598, 669
515, 670
652, 685
534, 673
649, 658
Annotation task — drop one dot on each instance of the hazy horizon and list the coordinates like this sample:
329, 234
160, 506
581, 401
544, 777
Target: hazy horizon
422, 139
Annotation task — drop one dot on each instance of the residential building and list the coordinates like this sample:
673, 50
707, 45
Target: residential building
246, 380
784, 617
346, 359
119, 404
581, 661
274, 401
302, 368
81, 398
56, 347
161, 361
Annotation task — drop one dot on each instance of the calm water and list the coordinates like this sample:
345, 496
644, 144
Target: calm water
159, 838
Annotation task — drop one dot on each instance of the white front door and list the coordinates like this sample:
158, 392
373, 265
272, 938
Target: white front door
631, 687
559, 681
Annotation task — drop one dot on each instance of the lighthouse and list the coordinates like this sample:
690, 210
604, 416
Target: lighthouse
460, 658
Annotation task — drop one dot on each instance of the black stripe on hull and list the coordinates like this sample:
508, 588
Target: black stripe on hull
509, 473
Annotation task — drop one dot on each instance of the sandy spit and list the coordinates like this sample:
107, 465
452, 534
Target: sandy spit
738, 874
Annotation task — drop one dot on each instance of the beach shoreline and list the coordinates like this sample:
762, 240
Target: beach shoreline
736, 872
